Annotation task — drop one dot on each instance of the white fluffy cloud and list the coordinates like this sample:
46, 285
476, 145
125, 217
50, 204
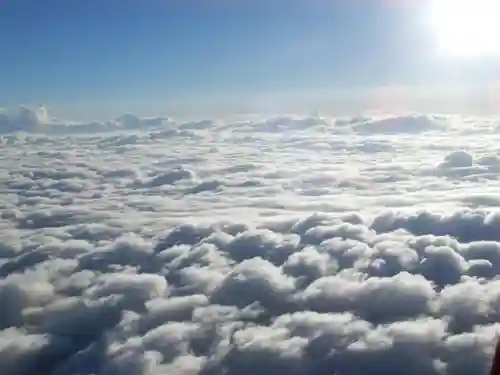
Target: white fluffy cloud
295, 245
39, 120
23, 119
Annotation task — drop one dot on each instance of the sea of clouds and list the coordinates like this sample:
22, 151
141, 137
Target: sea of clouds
283, 245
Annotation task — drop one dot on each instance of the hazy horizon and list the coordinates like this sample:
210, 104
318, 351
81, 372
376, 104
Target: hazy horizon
99, 59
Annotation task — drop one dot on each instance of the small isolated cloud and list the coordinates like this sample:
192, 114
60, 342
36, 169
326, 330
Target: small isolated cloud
297, 245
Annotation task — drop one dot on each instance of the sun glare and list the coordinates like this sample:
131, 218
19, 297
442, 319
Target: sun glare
466, 28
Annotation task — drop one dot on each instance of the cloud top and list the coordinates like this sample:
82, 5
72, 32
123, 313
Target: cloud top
302, 245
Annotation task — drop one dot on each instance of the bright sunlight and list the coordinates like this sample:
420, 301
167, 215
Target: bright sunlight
466, 28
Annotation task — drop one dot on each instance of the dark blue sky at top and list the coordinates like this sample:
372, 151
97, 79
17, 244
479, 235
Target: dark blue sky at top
145, 55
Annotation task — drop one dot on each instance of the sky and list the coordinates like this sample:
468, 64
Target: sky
94, 59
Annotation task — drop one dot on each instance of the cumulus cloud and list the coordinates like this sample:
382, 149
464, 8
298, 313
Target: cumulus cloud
23, 119
462, 164
40, 120
412, 124
301, 245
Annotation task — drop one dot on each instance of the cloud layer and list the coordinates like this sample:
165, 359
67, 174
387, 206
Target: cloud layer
294, 245
39, 120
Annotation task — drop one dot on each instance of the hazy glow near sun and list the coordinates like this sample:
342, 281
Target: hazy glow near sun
466, 28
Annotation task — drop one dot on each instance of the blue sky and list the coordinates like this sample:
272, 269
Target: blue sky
98, 58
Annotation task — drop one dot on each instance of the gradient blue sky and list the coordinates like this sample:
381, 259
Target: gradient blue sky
100, 58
